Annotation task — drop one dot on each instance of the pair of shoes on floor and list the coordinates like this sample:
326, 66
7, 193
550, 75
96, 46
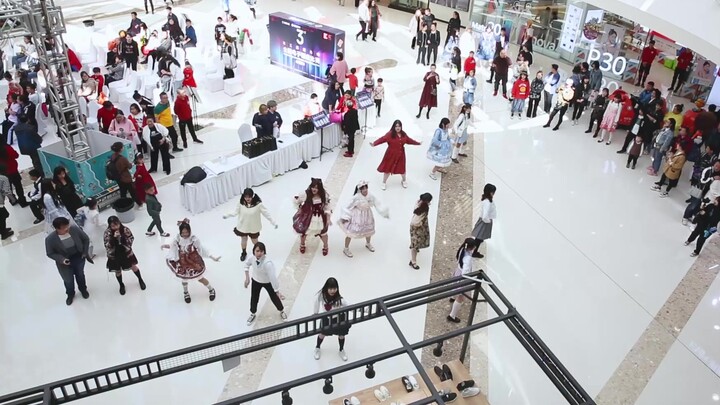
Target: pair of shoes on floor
447, 396
443, 372
410, 383
382, 394
414, 265
468, 389
351, 401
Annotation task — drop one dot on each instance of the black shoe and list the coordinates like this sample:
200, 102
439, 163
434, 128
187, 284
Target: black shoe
143, 286
596, 135
7, 234
439, 373
152, 171
69, 299
24, 204
477, 255
37, 221
546, 126
187, 297
488, 81
454, 320
620, 151
167, 173
198, 141
556, 128
449, 397
447, 371
427, 115
588, 131
177, 149
122, 289
212, 295
462, 154
455, 161
633, 166
465, 384
374, 39
243, 255
417, 116
85, 294
184, 144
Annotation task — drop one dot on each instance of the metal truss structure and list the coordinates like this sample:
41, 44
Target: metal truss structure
477, 284
43, 21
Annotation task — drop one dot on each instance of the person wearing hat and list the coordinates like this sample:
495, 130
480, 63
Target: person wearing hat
673, 169
565, 96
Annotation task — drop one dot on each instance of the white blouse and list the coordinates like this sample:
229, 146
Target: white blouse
489, 212
362, 202
248, 218
320, 304
466, 264
183, 244
264, 272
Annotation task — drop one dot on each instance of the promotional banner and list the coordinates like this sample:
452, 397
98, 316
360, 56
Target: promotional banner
592, 29
703, 72
573, 19
611, 40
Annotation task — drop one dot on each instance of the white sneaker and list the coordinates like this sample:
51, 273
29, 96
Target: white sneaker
385, 391
404, 184
354, 401
663, 194
370, 247
383, 186
317, 353
251, 319
432, 176
379, 395
347, 252
470, 392
684, 221
343, 355
655, 187
283, 316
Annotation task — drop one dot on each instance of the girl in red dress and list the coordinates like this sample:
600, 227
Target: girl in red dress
428, 98
141, 177
394, 160
188, 76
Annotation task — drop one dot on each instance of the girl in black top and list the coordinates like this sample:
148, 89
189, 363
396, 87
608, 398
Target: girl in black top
598, 110
453, 27
582, 92
65, 189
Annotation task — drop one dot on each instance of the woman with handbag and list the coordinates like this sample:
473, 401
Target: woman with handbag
313, 214
419, 228
440, 148
328, 299
488, 213
394, 160
673, 169
185, 259
428, 98
248, 212
118, 240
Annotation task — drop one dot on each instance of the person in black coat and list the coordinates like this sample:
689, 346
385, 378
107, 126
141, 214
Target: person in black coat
706, 224
350, 125
332, 95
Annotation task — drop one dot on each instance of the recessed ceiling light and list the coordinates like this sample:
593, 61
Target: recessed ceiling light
716, 397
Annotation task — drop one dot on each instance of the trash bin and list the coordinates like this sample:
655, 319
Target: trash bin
124, 209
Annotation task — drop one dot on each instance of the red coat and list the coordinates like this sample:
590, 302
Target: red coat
394, 160
74, 60
182, 108
427, 98
684, 59
521, 89
142, 177
100, 79
469, 65
10, 161
188, 77
105, 117
689, 120
648, 54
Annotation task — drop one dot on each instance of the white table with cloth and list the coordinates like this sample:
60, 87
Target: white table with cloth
228, 177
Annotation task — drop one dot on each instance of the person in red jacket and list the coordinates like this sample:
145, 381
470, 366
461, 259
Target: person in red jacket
690, 116
684, 60
75, 64
520, 92
646, 60
8, 159
469, 64
105, 115
188, 76
184, 113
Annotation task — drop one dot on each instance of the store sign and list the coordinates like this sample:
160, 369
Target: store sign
573, 19
608, 62
540, 43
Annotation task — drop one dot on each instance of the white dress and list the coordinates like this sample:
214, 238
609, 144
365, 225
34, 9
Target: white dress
93, 228
53, 211
357, 220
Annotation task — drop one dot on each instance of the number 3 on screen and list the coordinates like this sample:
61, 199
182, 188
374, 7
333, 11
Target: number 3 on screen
300, 37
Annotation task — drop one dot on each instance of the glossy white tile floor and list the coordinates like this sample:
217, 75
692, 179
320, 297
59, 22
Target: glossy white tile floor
582, 247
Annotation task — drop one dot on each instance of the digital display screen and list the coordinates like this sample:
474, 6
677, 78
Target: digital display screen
302, 46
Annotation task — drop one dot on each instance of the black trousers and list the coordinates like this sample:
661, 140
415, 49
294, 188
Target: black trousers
152, 7
532, 107
595, 117
628, 139
173, 135
255, 289
126, 188
16, 183
492, 73
36, 208
4, 215
679, 77
131, 63
363, 30
432, 51
351, 142
671, 183
35, 158
699, 234
421, 54
190, 126
155, 222
554, 112
373, 28
547, 101
632, 159
643, 72
162, 150
500, 78
378, 105
578, 110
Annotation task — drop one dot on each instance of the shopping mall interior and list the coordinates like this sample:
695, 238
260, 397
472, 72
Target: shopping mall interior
584, 249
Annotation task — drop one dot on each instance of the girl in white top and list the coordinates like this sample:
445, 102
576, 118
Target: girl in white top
92, 226
460, 127
465, 266
357, 220
328, 299
263, 276
484, 224
54, 208
249, 224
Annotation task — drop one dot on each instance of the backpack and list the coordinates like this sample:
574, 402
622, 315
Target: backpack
111, 171
80, 218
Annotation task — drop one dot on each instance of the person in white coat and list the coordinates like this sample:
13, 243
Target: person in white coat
464, 266
467, 43
364, 18
264, 276
249, 224
91, 225
483, 227
460, 127
357, 220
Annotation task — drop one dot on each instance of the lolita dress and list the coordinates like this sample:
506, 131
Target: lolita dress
185, 258
487, 46
312, 219
357, 220
440, 148
419, 231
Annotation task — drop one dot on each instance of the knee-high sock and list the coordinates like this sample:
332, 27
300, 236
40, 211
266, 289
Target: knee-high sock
455, 308
455, 151
461, 148
185, 287
119, 278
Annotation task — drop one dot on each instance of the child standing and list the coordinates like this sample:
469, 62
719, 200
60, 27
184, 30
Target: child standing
35, 196
610, 118
153, 208
636, 149
536, 89
352, 80
88, 218
357, 220
368, 80
379, 95
520, 91
141, 177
